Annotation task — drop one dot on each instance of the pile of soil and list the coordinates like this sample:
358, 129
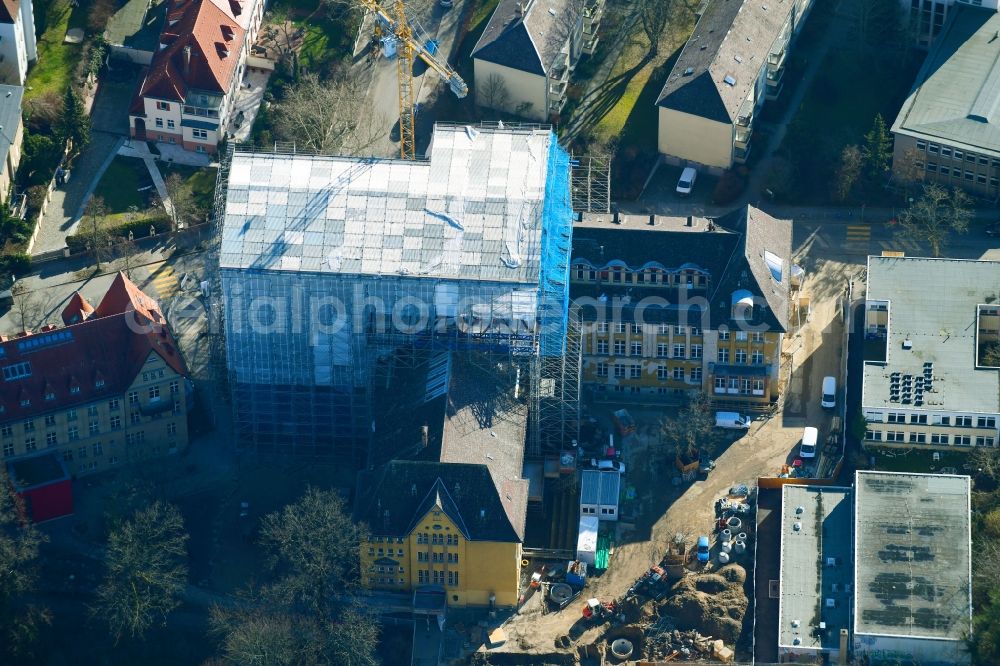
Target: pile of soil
713, 604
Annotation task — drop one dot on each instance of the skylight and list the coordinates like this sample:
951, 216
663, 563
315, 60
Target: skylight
775, 264
729, 80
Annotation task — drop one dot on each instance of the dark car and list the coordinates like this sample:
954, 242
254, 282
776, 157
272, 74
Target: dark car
993, 230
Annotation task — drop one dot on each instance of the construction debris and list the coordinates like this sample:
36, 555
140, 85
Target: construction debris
712, 603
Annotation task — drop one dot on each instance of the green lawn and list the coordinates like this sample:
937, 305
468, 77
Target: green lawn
329, 33
200, 181
119, 186
57, 61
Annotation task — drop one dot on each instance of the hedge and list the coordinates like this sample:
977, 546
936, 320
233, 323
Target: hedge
139, 228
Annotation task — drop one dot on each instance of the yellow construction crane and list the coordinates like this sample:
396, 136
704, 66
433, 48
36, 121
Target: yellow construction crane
408, 47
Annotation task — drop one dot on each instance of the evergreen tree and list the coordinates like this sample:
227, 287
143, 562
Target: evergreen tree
877, 150
74, 123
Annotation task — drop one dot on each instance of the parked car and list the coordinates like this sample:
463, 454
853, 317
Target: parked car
686, 182
807, 448
608, 465
731, 420
704, 549
829, 400
993, 230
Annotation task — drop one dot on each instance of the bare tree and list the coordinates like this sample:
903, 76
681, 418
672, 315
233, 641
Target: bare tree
147, 571
331, 116
182, 206
24, 304
935, 216
283, 37
93, 228
654, 15
20, 624
127, 249
493, 93
690, 432
848, 171
905, 170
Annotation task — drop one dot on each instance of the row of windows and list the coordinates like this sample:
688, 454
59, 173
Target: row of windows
662, 350
932, 167
170, 123
437, 558
93, 410
659, 390
636, 329
740, 357
739, 385
921, 419
378, 539
381, 552
665, 329
592, 510
437, 539
634, 371
51, 441
384, 569
957, 155
923, 438
649, 276
437, 577
93, 426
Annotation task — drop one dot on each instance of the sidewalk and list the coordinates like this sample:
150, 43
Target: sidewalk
141, 150
67, 203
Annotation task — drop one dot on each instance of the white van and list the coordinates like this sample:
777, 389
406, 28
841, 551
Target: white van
686, 182
807, 449
731, 420
829, 393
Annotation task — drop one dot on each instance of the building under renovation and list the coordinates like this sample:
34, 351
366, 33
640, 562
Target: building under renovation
338, 272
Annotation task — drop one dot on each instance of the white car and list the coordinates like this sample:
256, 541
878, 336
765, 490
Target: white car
608, 465
686, 182
807, 449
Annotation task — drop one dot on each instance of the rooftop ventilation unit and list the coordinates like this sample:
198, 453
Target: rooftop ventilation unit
907, 344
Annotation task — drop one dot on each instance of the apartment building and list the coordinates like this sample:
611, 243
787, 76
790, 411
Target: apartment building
926, 324
186, 96
11, 136
681, 305
108, 388
927, 17
948, 130
18, 48
733, 62
527, 53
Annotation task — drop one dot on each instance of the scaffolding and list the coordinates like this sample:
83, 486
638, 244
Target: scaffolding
336, 272
590, 183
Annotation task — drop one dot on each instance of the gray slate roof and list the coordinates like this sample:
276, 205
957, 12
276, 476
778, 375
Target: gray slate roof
10, 117
530, 42
733, 255
392, 499
732, 39
956, 97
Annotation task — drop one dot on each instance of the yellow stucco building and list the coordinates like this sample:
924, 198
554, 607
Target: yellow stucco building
450, 518
683, 305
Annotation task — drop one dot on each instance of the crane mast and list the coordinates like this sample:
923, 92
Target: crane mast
409, 48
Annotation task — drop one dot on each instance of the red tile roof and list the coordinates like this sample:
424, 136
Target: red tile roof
9, 11
76, 310
210, 30
95, 359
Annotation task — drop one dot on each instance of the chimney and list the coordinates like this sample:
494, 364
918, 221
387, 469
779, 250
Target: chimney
616, 221
842, 657
424, 435
187, 61
652, 220
690, 221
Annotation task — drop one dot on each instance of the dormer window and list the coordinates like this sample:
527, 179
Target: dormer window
99, 383
227, 33
74, 389
25, 402
222, 49
50, 396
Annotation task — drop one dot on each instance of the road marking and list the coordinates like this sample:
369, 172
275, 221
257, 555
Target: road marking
165, 282
858, 232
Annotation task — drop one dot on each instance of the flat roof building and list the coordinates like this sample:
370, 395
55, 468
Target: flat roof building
913, 580
599, 493
948, 130
815, 580
927, 322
